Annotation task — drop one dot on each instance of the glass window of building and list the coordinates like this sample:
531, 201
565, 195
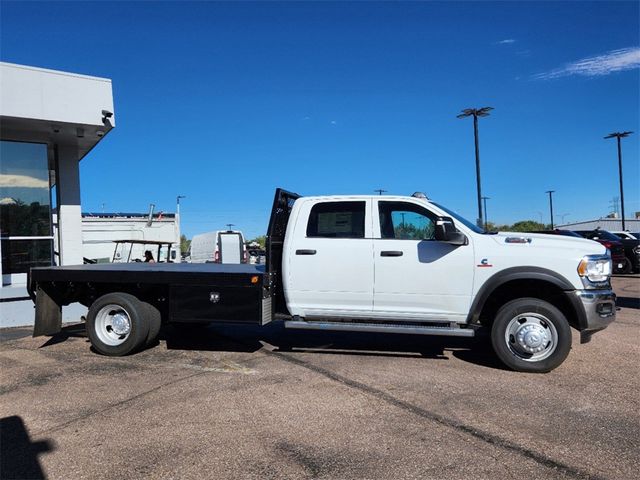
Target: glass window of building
25, 207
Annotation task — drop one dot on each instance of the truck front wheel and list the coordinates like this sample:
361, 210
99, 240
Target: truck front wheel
531, 335
117, 324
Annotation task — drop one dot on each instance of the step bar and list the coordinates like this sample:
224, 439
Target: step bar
380, 328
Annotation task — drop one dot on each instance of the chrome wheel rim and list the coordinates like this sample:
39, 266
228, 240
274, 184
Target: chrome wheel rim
531, 337
113, 325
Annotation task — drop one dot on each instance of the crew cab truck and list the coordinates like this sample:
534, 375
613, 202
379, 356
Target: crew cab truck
387, 264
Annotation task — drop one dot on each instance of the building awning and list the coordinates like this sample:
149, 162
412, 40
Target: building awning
53, 107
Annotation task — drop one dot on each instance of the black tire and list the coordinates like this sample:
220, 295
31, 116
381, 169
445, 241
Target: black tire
531, 335
154, 318
117, 324
627, 267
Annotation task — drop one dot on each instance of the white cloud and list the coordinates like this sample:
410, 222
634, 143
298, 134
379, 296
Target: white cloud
506, 41
333, 122
613, 61
22, 181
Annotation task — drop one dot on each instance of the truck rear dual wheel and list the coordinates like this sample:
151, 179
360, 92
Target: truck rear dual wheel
119, 324
531, 335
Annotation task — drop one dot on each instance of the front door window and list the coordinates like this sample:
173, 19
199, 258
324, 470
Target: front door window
405, 221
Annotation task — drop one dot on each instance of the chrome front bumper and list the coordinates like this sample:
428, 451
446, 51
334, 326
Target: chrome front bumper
599, 308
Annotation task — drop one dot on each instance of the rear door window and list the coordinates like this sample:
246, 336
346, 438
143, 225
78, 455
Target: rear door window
337, 220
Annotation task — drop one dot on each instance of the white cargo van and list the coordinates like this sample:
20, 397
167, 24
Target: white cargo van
222, 246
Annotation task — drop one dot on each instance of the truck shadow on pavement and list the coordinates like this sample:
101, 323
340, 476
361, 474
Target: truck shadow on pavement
18, 454
243, 338
249, 339
76, 330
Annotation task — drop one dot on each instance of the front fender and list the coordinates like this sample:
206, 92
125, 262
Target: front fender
511, 274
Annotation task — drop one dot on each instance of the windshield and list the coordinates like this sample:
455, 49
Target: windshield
462, 220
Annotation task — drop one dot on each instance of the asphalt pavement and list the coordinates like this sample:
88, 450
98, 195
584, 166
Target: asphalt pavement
233, 402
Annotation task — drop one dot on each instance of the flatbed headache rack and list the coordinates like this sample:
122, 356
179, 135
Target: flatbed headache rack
280, 212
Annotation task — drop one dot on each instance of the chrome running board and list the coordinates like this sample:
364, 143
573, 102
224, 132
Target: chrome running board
380, 328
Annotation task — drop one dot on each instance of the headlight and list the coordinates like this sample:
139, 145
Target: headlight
595, 268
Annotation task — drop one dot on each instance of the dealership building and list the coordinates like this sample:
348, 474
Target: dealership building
49, 122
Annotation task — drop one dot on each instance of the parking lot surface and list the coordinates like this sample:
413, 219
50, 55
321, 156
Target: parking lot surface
232, 402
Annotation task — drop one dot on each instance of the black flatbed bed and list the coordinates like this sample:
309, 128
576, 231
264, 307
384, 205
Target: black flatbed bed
140, 271
145, 272
181, 292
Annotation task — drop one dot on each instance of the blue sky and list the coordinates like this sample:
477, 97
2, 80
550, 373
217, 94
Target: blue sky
223, 102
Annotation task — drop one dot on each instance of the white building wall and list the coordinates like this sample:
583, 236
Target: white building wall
610, 224
99, 233
52, 95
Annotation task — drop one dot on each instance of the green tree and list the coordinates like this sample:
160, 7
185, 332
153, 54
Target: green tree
527, 225
261, 240
493, 227
185, 243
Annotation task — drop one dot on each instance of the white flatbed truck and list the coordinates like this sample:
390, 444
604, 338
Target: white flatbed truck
387, 264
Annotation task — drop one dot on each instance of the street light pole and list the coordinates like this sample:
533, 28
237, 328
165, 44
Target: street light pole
486, 217
380, 191
179, 231
477, 112
178, 203
551, 192
618, 136
564, 215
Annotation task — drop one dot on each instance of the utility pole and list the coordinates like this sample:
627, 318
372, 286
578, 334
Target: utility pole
615, 206
380, 191
618, 136
486, 217
551, 192
477, 112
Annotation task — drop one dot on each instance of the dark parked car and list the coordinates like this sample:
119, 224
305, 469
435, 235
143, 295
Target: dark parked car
631, 244
613, 243
566, 233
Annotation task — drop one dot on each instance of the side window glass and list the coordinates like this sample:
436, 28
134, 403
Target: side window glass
337, 220
405, 221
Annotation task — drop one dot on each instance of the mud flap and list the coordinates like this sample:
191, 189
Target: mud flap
48, 315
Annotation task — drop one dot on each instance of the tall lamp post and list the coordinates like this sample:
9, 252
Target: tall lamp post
477, 112
564, 215
619, 135
486, 217
179, 233
551, 192
178, 203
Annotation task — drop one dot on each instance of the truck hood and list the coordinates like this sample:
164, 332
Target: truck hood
533, 240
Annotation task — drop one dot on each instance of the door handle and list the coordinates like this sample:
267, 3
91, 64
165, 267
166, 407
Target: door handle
305, 252
391, 253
